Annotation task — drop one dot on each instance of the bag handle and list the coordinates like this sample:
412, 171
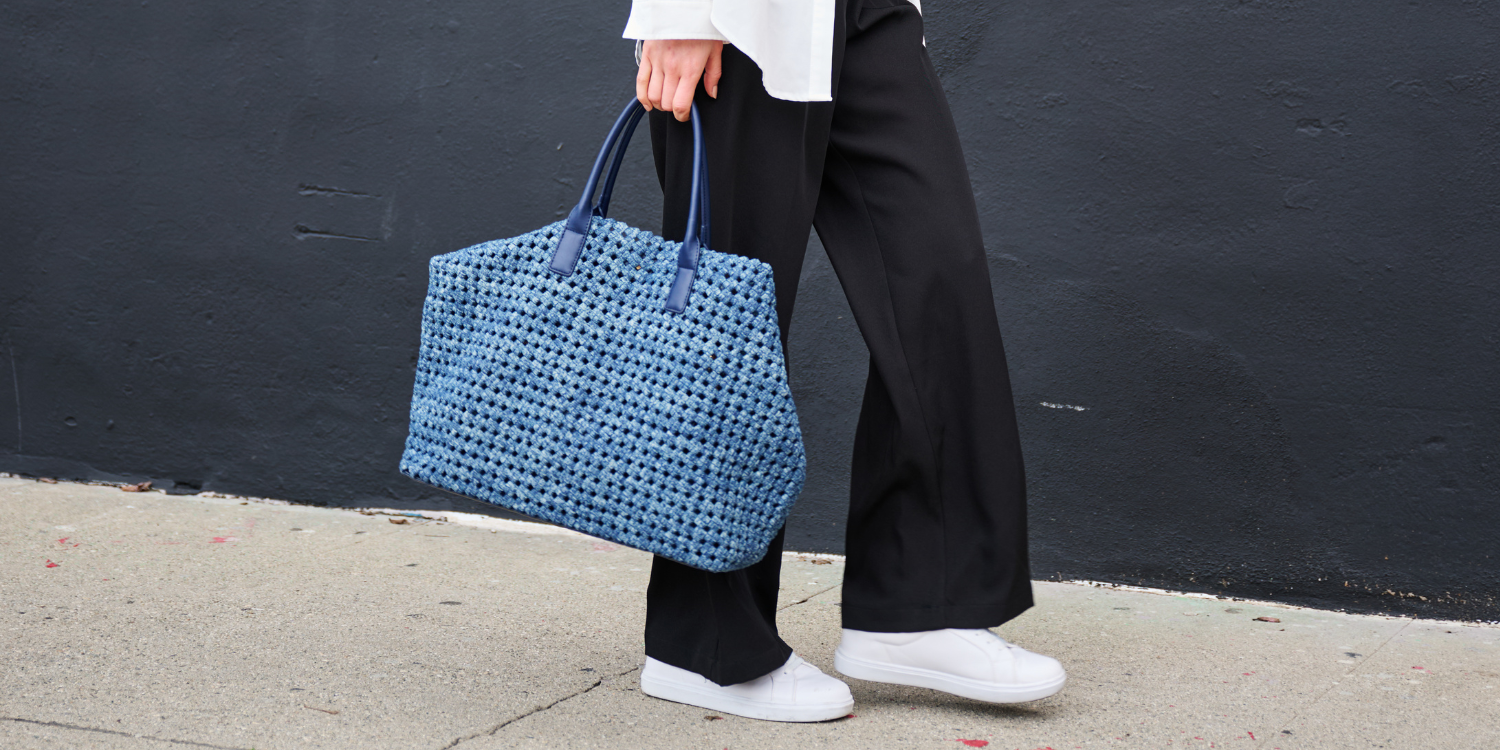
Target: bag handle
602, 207
576, 229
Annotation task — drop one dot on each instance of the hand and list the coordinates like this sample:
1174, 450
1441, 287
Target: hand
670, 70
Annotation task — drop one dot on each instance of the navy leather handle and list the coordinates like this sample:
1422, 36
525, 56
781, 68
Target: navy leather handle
570, 245
697, 225
576, 229
601, 208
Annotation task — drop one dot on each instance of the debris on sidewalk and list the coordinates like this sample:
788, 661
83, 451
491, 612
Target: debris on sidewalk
488, 621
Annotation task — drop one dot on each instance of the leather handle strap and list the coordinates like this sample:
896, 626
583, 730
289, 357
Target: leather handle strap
601, 208
576, 229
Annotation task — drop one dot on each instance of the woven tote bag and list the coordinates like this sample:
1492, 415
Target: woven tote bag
604, 379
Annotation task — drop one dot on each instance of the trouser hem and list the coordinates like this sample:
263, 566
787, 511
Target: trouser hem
722, 671
919, 619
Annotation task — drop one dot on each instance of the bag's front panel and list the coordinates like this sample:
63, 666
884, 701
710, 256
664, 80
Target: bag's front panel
580, 400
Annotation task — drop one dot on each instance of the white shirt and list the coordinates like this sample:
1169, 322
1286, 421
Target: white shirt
791, 40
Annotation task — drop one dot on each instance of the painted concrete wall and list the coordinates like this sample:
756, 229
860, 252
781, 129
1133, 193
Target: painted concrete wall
1244, 256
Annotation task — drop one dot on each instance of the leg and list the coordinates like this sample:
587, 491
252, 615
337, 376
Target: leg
764, 158
719, 625
937, 517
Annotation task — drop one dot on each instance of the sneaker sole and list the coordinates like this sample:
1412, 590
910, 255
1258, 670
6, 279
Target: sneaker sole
749, 709
862, 669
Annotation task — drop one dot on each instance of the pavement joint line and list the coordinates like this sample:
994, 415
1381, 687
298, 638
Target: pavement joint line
809, 597
131, 735
1298, 713
536, 710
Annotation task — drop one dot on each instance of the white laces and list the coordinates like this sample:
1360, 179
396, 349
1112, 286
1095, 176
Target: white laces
993, 643
789, 669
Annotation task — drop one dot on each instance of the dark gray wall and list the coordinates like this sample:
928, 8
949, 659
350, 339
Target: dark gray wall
1245, 249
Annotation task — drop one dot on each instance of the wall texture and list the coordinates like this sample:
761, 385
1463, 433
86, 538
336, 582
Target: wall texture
1244, 255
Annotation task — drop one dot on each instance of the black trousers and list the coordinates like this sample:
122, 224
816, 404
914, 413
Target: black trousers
937, 514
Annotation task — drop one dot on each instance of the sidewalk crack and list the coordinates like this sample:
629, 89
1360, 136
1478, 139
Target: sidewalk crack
809, 597
535, 710
1362, 662
131, 735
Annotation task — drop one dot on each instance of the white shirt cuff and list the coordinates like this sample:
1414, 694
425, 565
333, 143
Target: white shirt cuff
671, 19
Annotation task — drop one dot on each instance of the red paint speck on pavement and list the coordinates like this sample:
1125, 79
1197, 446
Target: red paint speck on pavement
51, 564
975, 743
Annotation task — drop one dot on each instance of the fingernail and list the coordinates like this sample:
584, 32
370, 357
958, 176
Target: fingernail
715, 92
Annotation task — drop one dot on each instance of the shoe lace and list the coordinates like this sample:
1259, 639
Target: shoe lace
992, 642
796, 667
800, 667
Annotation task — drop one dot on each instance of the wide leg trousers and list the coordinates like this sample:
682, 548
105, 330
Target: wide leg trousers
937, 515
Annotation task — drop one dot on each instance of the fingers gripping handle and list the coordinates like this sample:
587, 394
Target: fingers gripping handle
576, 229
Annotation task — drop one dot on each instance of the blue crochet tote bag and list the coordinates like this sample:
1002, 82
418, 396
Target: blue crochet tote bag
604, 379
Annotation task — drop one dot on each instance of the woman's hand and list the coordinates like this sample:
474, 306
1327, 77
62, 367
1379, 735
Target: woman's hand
670, 69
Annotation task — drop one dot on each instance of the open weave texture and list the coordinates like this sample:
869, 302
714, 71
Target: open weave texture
579, 400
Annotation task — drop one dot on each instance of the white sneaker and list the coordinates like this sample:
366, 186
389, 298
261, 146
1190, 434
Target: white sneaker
972, 663
796, 691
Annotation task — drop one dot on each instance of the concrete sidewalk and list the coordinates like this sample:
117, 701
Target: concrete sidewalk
143, 620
